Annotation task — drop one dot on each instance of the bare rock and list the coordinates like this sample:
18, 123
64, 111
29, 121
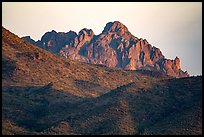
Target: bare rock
114, 47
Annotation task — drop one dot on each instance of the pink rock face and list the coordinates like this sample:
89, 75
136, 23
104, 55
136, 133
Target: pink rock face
114, 47
115, 27
177, 62
172, 68
85, 35
49, 43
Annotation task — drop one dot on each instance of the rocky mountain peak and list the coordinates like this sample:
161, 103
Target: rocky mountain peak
71, 34
116, 27
86, 31
28, 39
53, 31
85, 34
114, 47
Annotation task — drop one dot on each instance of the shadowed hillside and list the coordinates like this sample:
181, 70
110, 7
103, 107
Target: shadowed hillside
168, 107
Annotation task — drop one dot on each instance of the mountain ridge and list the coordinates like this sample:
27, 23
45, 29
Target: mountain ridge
114, 47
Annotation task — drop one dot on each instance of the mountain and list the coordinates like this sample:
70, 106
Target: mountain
44, 94
27, 65
114, 47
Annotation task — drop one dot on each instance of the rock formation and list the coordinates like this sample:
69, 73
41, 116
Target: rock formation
114, 47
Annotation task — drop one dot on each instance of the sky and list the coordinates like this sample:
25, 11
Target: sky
173, 27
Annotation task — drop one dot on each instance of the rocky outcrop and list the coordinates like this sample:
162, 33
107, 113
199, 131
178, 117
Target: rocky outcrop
114, 47
172, 68
29, 39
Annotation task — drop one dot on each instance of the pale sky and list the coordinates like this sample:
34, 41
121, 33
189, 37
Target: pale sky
174, 27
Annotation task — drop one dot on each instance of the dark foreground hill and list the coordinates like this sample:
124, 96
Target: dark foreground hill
46, 94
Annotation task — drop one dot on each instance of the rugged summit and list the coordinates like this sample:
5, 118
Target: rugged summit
114, 47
